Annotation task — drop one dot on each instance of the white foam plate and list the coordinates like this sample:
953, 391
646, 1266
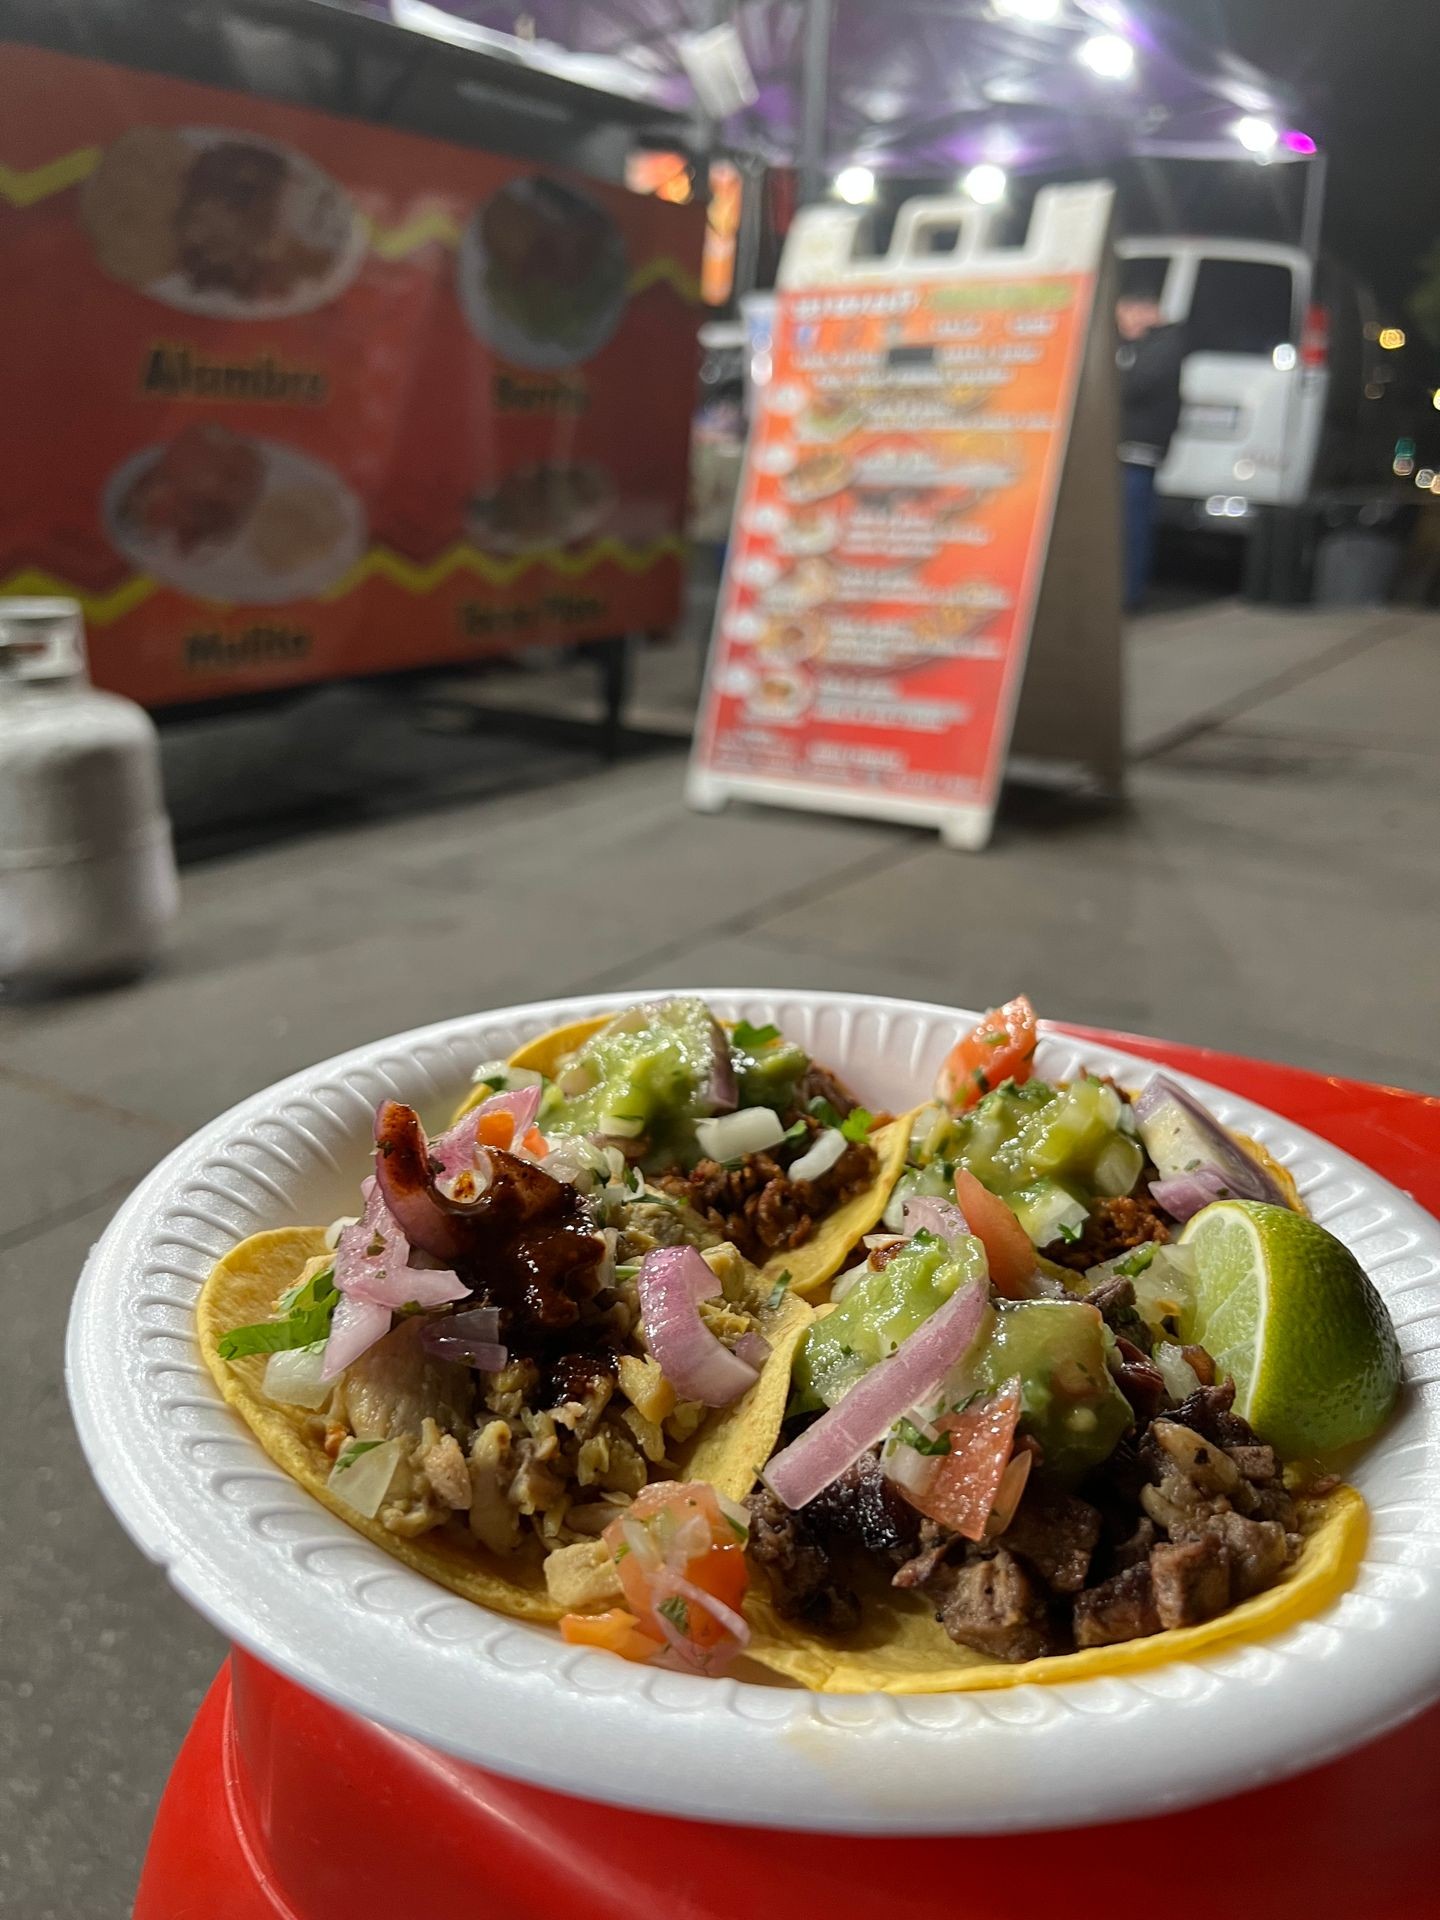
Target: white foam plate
278, 1574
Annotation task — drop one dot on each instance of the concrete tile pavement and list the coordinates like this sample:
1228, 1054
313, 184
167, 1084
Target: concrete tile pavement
1268, 886
101, 1665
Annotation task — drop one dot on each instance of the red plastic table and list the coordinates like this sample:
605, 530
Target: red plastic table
282, 1807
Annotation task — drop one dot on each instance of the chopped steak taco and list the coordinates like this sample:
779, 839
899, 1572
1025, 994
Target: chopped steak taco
1048, 1423
1014, 1447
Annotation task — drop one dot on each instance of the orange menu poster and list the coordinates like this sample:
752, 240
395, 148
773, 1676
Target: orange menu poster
889, 540
288, 396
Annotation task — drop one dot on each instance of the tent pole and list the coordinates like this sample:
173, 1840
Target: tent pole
814, 91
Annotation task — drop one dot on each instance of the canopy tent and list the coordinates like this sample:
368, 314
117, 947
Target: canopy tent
912, 86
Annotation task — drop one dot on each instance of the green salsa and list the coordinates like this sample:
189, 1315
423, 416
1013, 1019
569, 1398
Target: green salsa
880, 1310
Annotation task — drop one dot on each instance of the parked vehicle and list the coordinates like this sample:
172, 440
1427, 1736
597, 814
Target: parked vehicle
1273, 384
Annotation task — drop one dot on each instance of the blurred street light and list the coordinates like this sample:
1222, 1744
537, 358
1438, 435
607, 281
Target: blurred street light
1256, 135
855, 185
1284, 357
986, 184
1108, 54
1391, 338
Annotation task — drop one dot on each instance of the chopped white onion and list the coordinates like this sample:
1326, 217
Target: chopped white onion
294, 1378
509, 1077
1181, 1379
362, 1474
621, 1126
820, 1158
574, 1080
337, 1227
730, 1136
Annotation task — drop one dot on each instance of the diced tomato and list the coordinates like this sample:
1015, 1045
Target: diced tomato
967, 1479
673, 1547
497, 1129
1001, 1047
614, 1631
1008, 1251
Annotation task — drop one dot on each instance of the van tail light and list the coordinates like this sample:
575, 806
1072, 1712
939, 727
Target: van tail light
1315, 337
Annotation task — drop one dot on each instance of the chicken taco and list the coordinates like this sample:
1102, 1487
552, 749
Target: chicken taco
541, 1337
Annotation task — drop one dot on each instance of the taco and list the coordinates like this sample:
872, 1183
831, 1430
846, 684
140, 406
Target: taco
736, 1130
1008, 1454
481, 1391
539, 1328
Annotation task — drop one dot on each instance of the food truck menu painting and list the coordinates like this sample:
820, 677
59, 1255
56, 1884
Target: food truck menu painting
889, 539
288, 396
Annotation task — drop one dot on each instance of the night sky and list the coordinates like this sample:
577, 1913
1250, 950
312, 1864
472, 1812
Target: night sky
1366, 79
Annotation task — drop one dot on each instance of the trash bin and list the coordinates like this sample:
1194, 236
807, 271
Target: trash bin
1356, 567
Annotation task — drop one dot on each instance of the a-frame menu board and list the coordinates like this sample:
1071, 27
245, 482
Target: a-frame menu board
924, 567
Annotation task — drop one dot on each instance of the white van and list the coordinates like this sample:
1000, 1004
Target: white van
1272, 383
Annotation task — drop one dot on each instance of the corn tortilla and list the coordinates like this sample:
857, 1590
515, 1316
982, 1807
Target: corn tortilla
244, 1287
821, 1257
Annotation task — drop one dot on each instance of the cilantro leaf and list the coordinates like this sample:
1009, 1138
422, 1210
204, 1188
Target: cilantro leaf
351, 1453
307, 1320
796, 1132
750, 1037
1070, 1234
779, 1290
857, 1123
676, 1612
909, 1435
824, 1112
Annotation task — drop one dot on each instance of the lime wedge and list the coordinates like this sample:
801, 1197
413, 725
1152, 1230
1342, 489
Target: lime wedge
1286, 1312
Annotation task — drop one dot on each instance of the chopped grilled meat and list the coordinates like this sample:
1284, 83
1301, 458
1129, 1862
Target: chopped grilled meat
993, 1605
758, 1207
818, 1083
864, 1507
1114, 1227
1120, 1608
1135, 1548
936, 1543
861, 1510
1257, 1551
1256, 1463
1190, 1579
803, 1584
1209, 1410
1140, 1380
1056, 1533
1115, 1301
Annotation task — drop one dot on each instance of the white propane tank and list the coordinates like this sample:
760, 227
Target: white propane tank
87, 869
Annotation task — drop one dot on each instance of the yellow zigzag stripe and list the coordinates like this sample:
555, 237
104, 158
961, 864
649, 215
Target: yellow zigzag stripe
393, 243
24, 189
665, 268
417, 577
100, 608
